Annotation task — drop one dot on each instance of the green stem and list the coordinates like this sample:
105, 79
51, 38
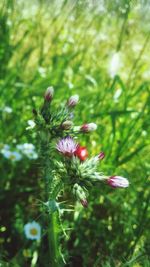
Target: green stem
54, 255
53, 240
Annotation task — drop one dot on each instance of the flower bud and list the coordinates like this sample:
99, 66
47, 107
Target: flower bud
101, 155
81, 152
84, 203
88, 127
80, 195
49, 94
118, 181
73, 100
66, 125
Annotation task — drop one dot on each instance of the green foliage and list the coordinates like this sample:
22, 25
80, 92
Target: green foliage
70, 45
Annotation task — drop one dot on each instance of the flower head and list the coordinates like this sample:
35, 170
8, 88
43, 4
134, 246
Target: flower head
67, 146
73, 100
88, 127
32, 231
49, 94
118, 181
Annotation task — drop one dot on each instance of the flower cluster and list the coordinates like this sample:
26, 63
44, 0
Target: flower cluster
21, 150
75, 169
58, 123
11, 155
28, 150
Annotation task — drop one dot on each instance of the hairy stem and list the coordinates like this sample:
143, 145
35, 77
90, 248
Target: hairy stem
54, 255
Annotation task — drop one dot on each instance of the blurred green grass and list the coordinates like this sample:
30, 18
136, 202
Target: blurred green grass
70, 45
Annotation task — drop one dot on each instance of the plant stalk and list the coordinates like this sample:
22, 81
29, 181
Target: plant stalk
52, 222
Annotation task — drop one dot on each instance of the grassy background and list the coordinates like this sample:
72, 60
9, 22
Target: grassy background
70, 45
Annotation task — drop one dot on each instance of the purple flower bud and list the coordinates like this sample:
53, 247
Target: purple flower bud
118, 181
49, 94
73, 100
66, 125
84, 203
88, 127
101, 155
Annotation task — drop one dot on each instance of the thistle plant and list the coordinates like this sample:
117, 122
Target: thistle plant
66, 165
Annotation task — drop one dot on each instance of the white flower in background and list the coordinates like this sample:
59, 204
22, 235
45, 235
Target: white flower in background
12, 155
32, 155
117, 95
31, 124
28, 150
7, 109
32, 231
8, 154
4, 148
115, 64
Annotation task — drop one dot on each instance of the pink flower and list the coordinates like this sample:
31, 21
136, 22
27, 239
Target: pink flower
101, 155
73, 100
49, 94
67, 146
118, 181
88, 127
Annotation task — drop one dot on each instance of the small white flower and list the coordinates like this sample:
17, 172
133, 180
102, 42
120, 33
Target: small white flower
31, 124
32, 230
32, 155
13, 156
28, 150
7, 109
5, 148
